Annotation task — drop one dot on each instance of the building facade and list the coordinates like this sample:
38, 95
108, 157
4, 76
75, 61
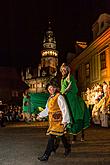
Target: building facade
47, 69
92, 65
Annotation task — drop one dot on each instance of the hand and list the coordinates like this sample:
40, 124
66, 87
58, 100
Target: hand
64, 124
38, 118
63, 94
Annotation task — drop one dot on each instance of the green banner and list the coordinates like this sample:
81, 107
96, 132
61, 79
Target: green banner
38, 101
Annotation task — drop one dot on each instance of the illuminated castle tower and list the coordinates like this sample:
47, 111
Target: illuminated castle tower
47, 68
49, 60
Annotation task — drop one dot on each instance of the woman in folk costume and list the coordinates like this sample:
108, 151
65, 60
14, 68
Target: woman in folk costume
104, 110
26, 107
57, 110
96, 111
79, 114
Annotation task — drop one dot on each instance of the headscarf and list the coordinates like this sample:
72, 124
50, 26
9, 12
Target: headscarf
64, 66
67, 68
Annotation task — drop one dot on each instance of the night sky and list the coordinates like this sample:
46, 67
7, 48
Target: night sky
24, 22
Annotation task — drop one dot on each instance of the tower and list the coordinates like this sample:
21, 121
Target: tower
49, 59
37, 80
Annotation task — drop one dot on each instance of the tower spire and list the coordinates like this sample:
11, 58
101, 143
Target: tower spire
49, 39
49, 60
49, 23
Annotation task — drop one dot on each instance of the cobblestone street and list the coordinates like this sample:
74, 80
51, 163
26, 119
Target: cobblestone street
22, 146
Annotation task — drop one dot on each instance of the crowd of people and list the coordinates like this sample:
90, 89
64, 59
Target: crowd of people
16, 114
98, 99
10, 113
13, 113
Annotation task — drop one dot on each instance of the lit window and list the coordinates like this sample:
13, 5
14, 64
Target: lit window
30, 85
39, 85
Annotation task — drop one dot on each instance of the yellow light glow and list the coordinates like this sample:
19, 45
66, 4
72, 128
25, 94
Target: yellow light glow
49, 52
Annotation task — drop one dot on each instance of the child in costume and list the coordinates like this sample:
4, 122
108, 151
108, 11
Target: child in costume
57, 110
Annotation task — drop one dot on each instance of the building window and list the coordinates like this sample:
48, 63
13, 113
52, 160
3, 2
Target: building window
87, 67
39, 85
14, 93
30, 85
34, 85
103, 60
43, 85
102, 25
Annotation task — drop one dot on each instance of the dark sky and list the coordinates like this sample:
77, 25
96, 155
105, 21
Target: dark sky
23, 23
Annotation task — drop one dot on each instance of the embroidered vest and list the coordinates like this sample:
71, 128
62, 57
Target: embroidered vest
55, 117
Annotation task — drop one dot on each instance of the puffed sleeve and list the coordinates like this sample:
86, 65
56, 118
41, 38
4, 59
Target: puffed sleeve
64, 108
44, 113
